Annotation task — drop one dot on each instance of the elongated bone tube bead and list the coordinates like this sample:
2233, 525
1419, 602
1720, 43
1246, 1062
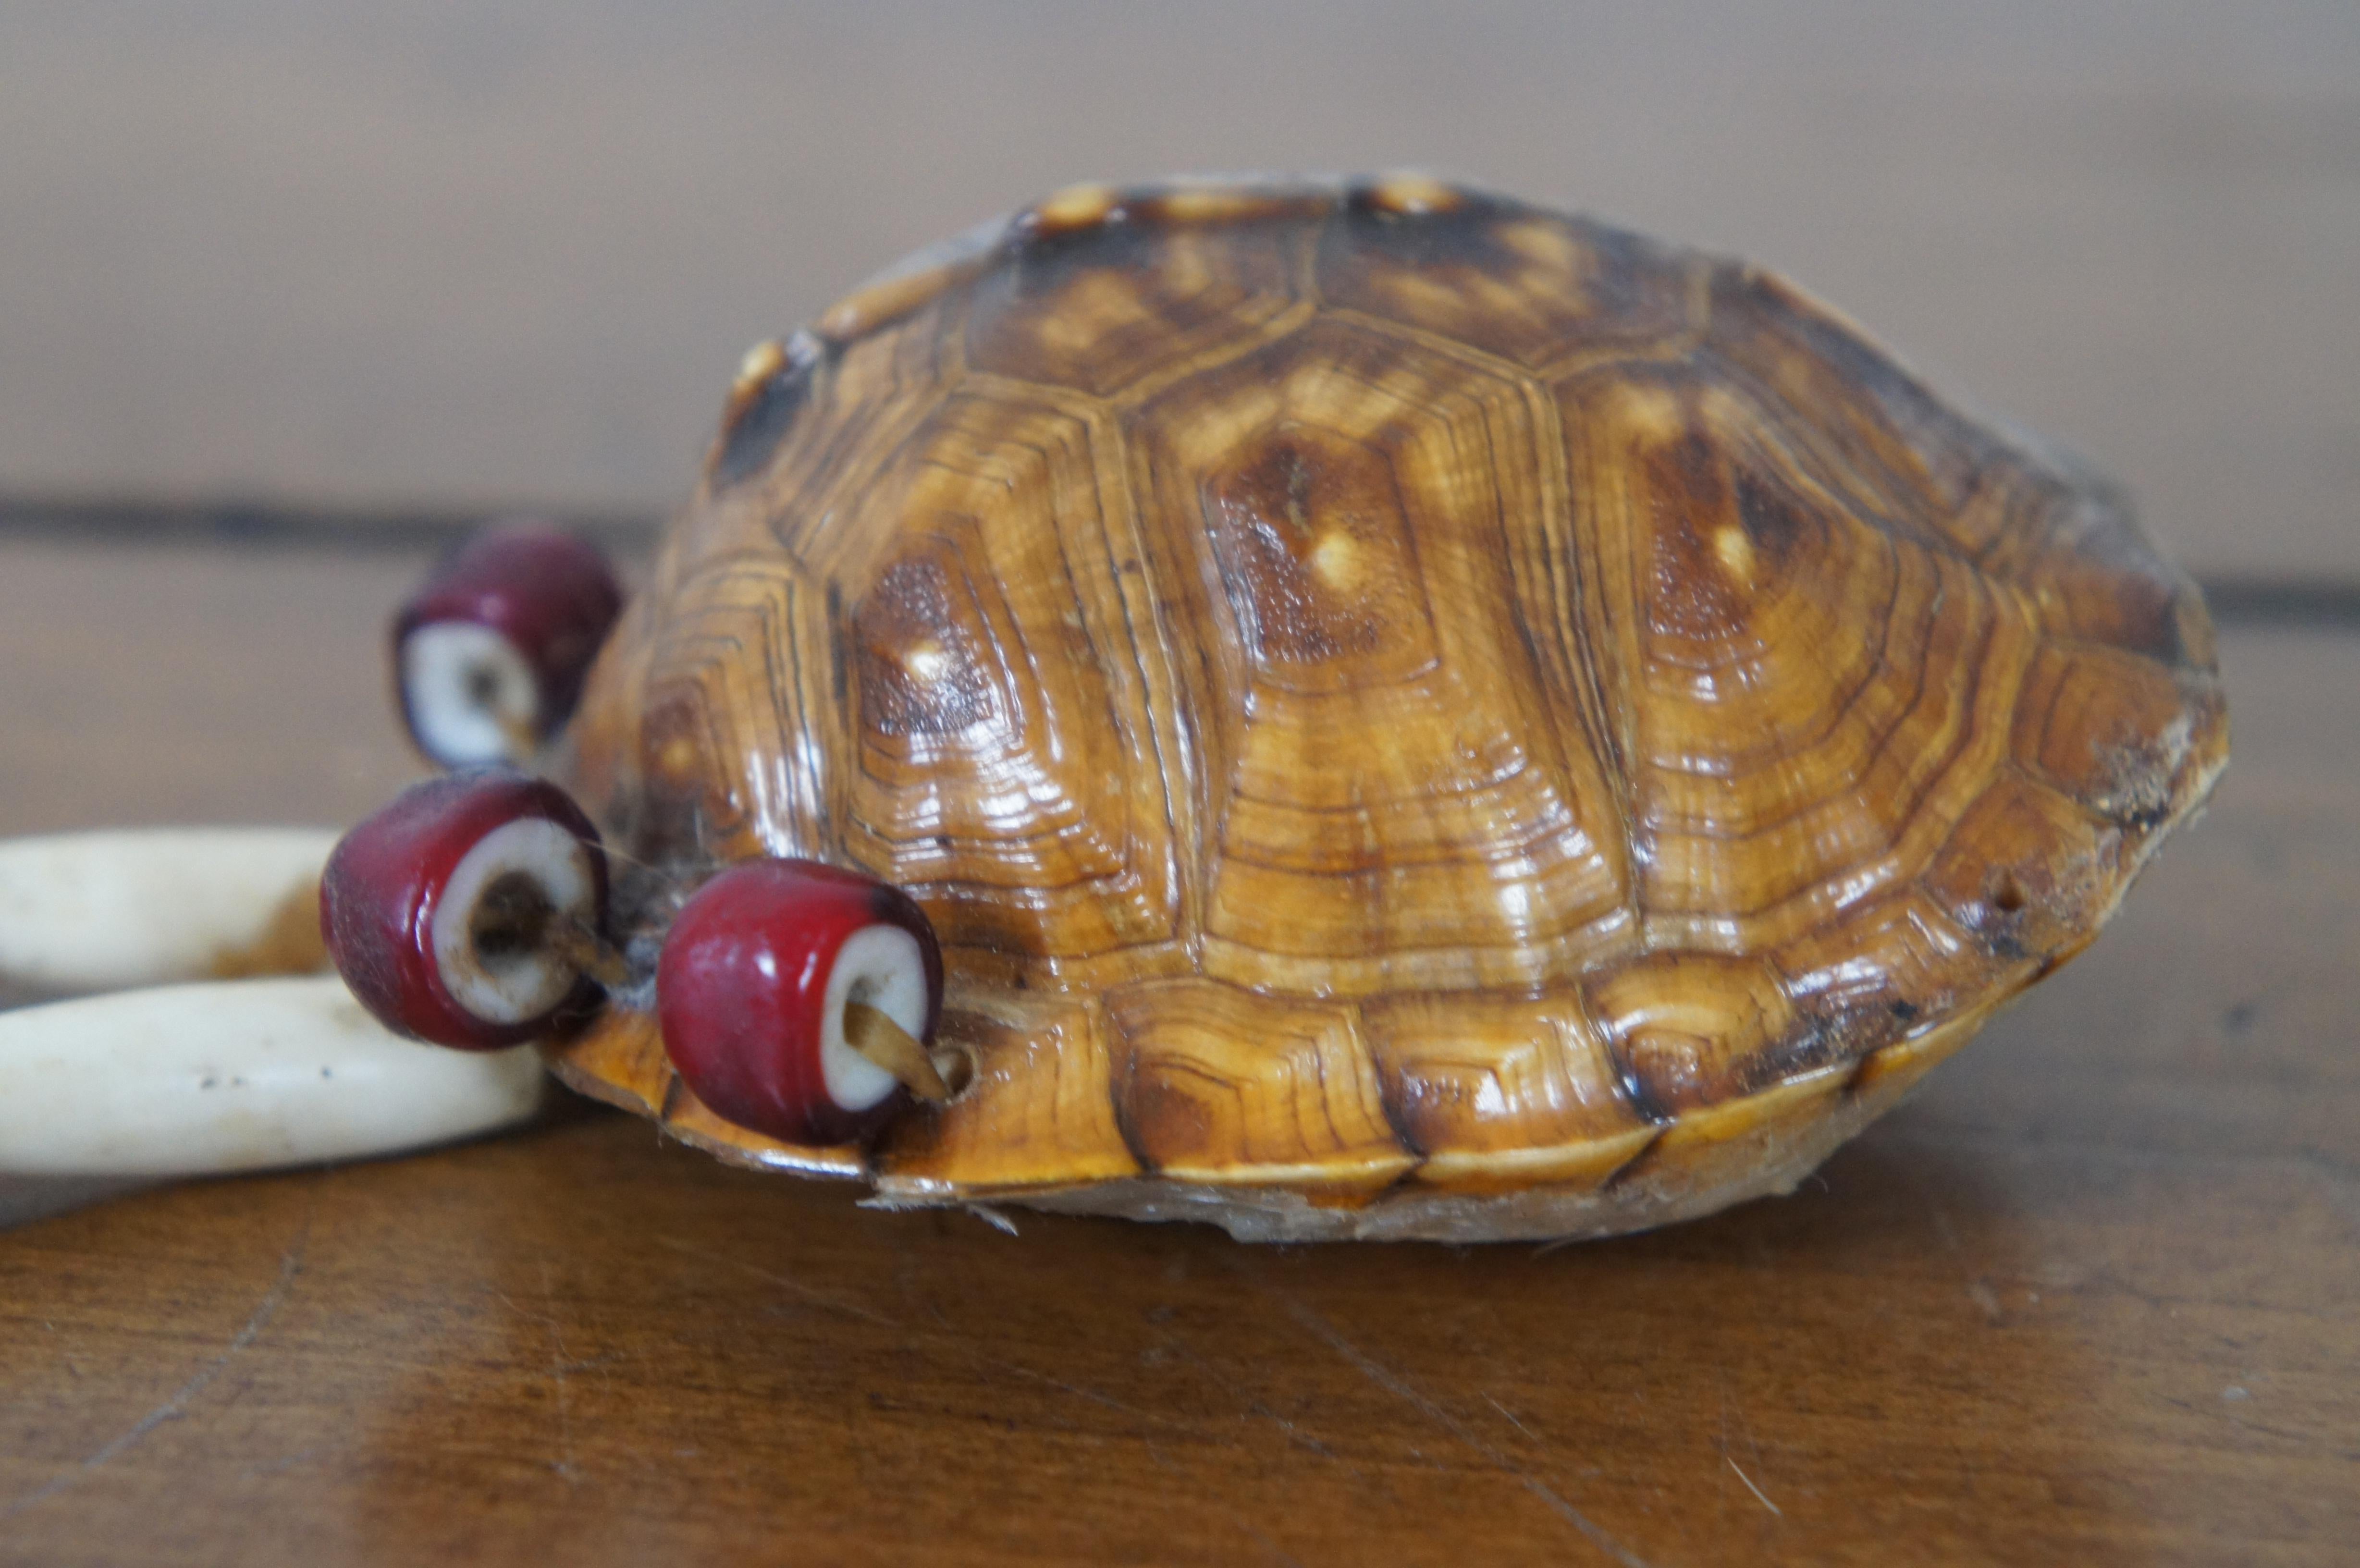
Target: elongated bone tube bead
235, 1075
102, 912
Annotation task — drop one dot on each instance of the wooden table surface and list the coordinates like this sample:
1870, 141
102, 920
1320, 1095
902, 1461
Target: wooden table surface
2087, 1298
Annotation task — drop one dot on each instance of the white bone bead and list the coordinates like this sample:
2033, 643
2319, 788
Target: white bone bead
235, 1075
100, 912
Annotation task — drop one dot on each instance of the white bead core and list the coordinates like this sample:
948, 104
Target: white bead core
470, 692
882, 966
513, 988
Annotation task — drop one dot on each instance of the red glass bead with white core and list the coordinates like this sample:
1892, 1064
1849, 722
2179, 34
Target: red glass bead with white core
752, 989
490, 653
466, 912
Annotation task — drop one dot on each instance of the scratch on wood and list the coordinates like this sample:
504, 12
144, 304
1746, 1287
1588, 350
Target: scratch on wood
1255, 1407
1278, 1553
1511, 1417
1383, 1377
1753, 1488
564, 1466
280, 1466
796, 1287
291, 1264
1080, 1392
1979, 1290
958, 1342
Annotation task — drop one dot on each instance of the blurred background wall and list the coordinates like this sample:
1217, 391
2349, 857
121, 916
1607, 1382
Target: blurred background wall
508, 253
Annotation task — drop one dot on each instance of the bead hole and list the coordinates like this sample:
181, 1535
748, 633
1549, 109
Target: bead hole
956, 1067
511, 921
2010, 896
482, 686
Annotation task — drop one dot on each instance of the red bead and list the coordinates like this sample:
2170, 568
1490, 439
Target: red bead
752, 984
439, 910
517, 614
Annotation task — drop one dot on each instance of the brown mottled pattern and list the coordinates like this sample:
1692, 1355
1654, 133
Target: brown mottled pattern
1386, 691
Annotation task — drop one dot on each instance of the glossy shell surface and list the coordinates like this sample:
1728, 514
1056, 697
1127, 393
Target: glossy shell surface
1413, 714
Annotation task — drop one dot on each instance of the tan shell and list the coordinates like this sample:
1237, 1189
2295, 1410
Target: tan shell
1413, 714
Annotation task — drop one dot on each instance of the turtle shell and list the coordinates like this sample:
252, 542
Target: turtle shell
1413, 714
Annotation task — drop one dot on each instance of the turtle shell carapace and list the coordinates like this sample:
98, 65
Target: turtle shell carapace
1413, 714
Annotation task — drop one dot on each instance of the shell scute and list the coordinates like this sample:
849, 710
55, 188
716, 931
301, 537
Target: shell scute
1001, 762
1692, 1029
2111, 729
721, 768
1902, 450
1873, 973
1224, 1087
2025, 514
2096, 579
1503, 1091
1810, 699
1096, 306
1038, 1114
1531, 287
2028, 871
1390, 799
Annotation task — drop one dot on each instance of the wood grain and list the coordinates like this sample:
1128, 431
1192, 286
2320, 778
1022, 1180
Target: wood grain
2085, 1299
